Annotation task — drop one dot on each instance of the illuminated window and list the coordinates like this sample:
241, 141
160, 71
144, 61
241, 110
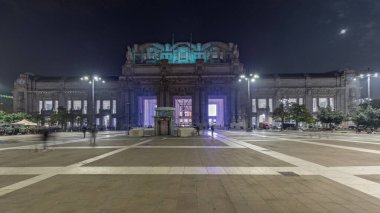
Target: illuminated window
55, 106
97, 106
113, 106
48, 105
314, 104
270, 104
107, 104
77, 104
182, 55
40, 106
84, 107
323, 102
300, 101
254, 108
292, 100
212, 110
215, 54
69, 105
262, 103
332, 103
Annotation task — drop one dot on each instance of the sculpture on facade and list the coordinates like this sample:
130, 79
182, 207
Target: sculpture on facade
129, 55
235, 52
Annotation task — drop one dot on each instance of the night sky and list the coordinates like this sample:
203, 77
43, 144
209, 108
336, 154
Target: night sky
73, 37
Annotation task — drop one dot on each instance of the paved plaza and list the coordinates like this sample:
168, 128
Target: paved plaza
233, 171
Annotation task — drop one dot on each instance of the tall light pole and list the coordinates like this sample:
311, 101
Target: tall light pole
369, 75
249, 78
91, 80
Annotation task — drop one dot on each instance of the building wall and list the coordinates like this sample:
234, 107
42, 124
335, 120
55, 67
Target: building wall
197, 78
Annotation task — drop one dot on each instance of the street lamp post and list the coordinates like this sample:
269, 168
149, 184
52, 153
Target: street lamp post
369, 76
250, 78
91, 80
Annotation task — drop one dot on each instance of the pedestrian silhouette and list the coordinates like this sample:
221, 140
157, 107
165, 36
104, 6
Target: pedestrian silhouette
84, 129
212, 130
93, 136
45, 136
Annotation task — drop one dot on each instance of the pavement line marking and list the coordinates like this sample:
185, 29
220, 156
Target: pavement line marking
190, 147
19, 185
328, 145
39, 145
360, 184
237, 170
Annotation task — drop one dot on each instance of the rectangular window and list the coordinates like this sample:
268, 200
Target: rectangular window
84, 109
97, 121
106, 104
69, 105
332, 103
97, 106
212, 110
254, 109
56, 106
323, 102
314, 104
39, 107
214, 54
77, 104
48, 105
182, 55
262, 103
113, 106
300, 101
270, 104
292, 100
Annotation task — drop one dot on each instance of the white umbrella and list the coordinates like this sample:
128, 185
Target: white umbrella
25, 122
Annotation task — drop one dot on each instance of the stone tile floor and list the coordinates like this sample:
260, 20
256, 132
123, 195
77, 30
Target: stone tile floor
233, 172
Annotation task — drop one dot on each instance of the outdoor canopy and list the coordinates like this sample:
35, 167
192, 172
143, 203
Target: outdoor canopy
25, 122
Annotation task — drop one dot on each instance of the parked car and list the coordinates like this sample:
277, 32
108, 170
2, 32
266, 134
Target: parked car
289, 126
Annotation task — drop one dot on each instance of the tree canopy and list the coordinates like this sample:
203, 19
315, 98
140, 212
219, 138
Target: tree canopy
328, 116
367, 116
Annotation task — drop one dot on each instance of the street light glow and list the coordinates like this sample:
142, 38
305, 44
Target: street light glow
239, 79
242, 76
252, 80
256, 76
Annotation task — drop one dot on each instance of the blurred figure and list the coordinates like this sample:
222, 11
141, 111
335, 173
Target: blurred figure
84, 129
93, 135
212, 130
45, 136
197, 128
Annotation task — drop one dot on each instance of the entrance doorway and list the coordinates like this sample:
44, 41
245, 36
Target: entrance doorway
216, 111
183, 110
147, 106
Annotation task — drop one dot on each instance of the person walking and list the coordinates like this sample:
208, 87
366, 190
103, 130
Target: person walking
45, 135
197, 128
212, 130
84, 129
93, 135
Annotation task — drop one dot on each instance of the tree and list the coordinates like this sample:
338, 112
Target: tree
281, 113
367, 116
299, 113
60, 118
328, 116
14, 117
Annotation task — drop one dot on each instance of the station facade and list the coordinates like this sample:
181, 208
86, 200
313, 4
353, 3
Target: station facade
199, 80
